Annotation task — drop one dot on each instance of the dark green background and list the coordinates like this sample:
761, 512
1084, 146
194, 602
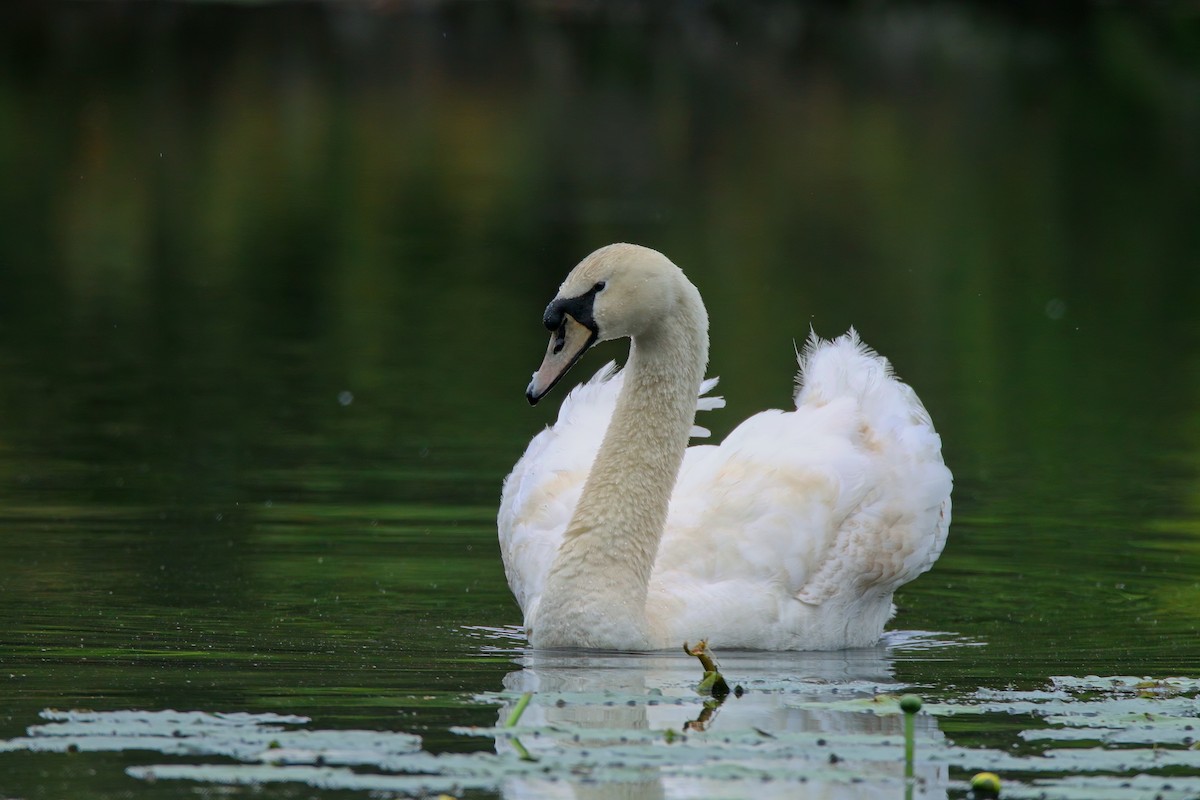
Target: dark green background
218, 220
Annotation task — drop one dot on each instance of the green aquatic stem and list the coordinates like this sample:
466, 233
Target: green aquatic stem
909, 744
522, 753
910, 704
515, 716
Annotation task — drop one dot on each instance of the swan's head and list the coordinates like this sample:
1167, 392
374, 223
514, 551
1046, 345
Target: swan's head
619, 290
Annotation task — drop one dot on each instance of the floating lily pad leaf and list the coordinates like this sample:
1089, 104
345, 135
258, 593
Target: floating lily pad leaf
1121, 710
825, 734
1078, 760
1014, 696
1088, 787
1180, 733
766, 787
1057, 707
245, 737
879, 704
331, 778
605, 754
314, 757
1118, 760
1107, 712
1127, 684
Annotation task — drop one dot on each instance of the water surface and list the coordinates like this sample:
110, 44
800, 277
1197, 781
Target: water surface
273, 278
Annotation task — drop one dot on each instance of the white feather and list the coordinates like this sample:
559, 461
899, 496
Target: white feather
832, 506
793, 533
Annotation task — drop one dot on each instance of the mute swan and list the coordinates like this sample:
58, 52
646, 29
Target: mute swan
790, 535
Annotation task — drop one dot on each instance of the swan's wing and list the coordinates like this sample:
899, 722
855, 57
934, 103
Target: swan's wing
541, 493
845, 497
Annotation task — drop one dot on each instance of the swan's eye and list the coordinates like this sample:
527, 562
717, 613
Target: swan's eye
599, 285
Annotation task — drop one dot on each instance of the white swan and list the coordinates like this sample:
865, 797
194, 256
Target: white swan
793, 534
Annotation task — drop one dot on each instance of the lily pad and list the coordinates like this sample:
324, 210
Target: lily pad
643, 726
245, 737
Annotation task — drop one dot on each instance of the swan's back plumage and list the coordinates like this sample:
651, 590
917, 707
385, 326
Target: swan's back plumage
793, 533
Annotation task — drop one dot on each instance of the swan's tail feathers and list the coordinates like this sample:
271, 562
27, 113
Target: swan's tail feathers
846, 367
911, 508
842, 367
705, 403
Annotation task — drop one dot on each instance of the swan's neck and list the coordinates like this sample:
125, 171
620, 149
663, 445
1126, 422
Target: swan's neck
596, 590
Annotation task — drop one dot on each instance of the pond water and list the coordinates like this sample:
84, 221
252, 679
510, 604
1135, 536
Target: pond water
272, 286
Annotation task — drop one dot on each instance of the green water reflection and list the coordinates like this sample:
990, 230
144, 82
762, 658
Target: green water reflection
272, 279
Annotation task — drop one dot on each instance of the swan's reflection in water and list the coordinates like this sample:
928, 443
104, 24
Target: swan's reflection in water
610, 693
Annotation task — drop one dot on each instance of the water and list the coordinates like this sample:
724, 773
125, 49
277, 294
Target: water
273, 279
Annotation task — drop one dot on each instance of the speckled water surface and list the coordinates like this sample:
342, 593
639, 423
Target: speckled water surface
271, 279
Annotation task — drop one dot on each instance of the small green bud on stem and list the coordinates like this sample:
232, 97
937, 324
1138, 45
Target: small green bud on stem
986, 784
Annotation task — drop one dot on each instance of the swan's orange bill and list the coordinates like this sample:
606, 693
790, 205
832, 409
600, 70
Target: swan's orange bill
567, 344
